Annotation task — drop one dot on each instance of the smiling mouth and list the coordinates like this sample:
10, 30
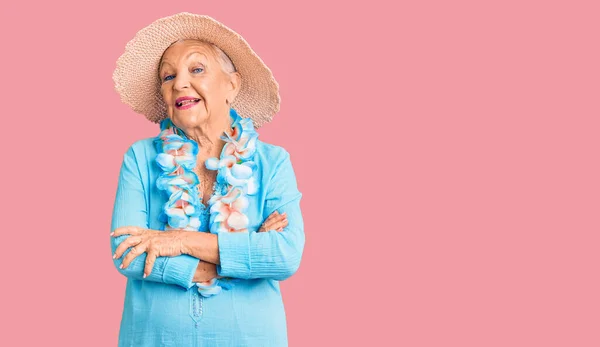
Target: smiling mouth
185, 103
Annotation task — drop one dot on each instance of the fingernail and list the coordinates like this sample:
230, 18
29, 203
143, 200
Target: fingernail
144, 275
284, 213
115, 256
112, 233
121, 266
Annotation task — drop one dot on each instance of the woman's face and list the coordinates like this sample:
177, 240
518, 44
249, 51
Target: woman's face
191, 69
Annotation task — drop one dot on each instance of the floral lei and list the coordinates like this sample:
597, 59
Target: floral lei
236, 178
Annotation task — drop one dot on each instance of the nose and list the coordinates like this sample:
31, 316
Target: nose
182, 81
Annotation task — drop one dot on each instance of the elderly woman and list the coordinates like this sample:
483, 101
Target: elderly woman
207, 218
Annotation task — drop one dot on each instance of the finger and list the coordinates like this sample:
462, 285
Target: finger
276, 226
265, 226
269, 225
150, 259
271, 216
127, 230
280, 224
128, 242
134, 252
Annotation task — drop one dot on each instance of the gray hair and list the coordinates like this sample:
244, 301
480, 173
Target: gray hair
226, 63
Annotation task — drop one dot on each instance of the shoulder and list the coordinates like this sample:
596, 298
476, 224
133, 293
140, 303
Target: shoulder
141, 148
142, 145
274, 162
278, 176
270, 156
140, 152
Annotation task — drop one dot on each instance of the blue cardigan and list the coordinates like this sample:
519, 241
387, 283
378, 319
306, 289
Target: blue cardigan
165, 309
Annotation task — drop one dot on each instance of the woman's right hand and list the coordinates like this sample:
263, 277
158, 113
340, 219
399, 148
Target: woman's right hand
207, 271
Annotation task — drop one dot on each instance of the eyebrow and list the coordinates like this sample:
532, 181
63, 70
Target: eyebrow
186, 57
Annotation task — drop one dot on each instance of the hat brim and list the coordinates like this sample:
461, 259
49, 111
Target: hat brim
136, 80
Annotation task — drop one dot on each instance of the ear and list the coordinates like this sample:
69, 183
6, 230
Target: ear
235, 82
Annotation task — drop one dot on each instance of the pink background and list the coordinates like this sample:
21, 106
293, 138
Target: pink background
447, 153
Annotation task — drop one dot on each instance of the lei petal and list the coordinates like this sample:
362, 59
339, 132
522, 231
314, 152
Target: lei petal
212, 163
166, 161
209, 288
233, 194
237, 221
240, 204
241, 171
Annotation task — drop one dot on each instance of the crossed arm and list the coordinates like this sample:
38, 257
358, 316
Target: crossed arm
176, 242
269, 254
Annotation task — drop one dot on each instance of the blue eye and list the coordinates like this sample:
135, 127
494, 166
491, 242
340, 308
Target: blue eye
168, 78
198, 68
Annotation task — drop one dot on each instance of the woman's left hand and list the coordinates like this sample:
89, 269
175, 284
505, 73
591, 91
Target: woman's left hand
153, 242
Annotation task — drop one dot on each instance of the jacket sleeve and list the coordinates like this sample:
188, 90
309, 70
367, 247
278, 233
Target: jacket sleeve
272, 254
131, 209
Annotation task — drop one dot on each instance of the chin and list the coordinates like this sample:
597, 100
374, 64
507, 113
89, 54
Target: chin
188, 120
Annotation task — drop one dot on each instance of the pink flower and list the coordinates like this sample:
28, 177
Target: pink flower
227, 212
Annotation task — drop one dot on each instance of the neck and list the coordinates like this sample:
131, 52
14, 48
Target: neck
208, 137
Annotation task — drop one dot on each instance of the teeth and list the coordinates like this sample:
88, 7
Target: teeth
179, 104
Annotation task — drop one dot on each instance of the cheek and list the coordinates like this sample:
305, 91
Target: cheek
203, 88
208, 87
166, 96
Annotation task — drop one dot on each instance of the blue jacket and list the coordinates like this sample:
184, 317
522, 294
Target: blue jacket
165, 309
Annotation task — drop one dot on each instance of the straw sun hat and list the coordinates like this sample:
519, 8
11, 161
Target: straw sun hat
136, 74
